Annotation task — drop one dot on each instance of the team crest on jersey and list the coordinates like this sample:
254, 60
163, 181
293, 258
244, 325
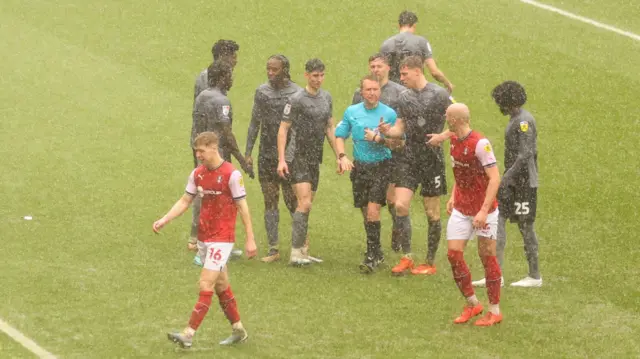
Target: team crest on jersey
465, 151
524, 126
287, 109
219, 179
225, 110
487, 147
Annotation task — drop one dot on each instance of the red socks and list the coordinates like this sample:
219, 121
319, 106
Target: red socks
229, 305
493, 276
200, 310
461, 272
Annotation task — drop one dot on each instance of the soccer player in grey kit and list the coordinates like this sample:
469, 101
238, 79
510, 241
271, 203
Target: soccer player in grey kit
406, 43
309, 116
212, 112
421, 112
222, 50
518, 194
268, 106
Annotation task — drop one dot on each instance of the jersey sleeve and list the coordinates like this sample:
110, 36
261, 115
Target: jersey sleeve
191, 184
236, 185
222, 112
391, 117
290, 111
484, 153
343, 129
425, 47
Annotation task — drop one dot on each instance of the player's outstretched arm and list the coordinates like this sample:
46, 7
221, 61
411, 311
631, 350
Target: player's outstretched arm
176, 211
250, 242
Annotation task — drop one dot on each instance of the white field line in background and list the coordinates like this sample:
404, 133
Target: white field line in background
24, 341
583, 19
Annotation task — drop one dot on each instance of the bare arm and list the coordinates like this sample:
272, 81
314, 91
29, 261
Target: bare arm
282, 139
330, 133
395, 131
250, 243
430, 63
492, 188
177, 210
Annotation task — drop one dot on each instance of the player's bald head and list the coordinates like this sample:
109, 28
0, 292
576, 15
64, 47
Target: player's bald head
459, 111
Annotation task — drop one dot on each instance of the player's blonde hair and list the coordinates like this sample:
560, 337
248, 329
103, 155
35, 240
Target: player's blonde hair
369, 77
206, 139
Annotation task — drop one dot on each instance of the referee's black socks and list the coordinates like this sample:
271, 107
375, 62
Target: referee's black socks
373, 237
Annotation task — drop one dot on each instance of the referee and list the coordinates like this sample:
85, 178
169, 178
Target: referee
370, 172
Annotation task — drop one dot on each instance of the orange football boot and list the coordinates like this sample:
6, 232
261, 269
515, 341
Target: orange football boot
468, 312
424, 269
406, 264
488, 320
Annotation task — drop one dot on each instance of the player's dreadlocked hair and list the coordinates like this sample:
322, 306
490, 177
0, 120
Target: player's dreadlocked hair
509, 94
314, 65
224, 47
286, 66
217, 71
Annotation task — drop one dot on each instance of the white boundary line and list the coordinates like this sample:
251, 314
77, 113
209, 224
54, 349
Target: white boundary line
583, 19
26, 342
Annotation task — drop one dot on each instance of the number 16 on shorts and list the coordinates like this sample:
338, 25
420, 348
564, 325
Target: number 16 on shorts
214, 255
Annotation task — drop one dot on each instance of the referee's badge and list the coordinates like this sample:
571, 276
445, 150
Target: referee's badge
287, 109
524, 126
225, 110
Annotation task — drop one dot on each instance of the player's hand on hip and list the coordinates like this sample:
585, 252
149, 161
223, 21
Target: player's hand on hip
249, 160
450, 205
480, 220
157, 225
250, 248
283, 169
192, 247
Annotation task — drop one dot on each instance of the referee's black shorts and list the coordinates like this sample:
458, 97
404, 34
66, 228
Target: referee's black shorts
369, 182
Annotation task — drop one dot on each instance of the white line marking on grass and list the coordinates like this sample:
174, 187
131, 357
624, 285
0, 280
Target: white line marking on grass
583, 19
26, 342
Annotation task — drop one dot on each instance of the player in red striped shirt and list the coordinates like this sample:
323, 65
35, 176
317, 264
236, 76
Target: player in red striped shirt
474, 211
221, 188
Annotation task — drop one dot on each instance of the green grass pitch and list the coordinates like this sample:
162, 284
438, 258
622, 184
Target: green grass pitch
94, 128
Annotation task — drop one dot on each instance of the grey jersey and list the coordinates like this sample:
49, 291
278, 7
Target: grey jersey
309, 116
202, 83
211, 108
521, 150
390, 95
404, 44
268, 106
423, 112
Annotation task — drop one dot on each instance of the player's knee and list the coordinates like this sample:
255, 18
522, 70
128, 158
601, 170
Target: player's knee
206, 285
433, 215
373, 214
402, 208
304, 205
454, 256
221, 286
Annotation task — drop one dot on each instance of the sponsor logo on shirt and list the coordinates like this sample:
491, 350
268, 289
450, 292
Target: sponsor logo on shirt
202, 192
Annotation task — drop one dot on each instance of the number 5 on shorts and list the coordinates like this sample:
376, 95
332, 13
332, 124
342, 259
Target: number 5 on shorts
215, 254
522, 208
